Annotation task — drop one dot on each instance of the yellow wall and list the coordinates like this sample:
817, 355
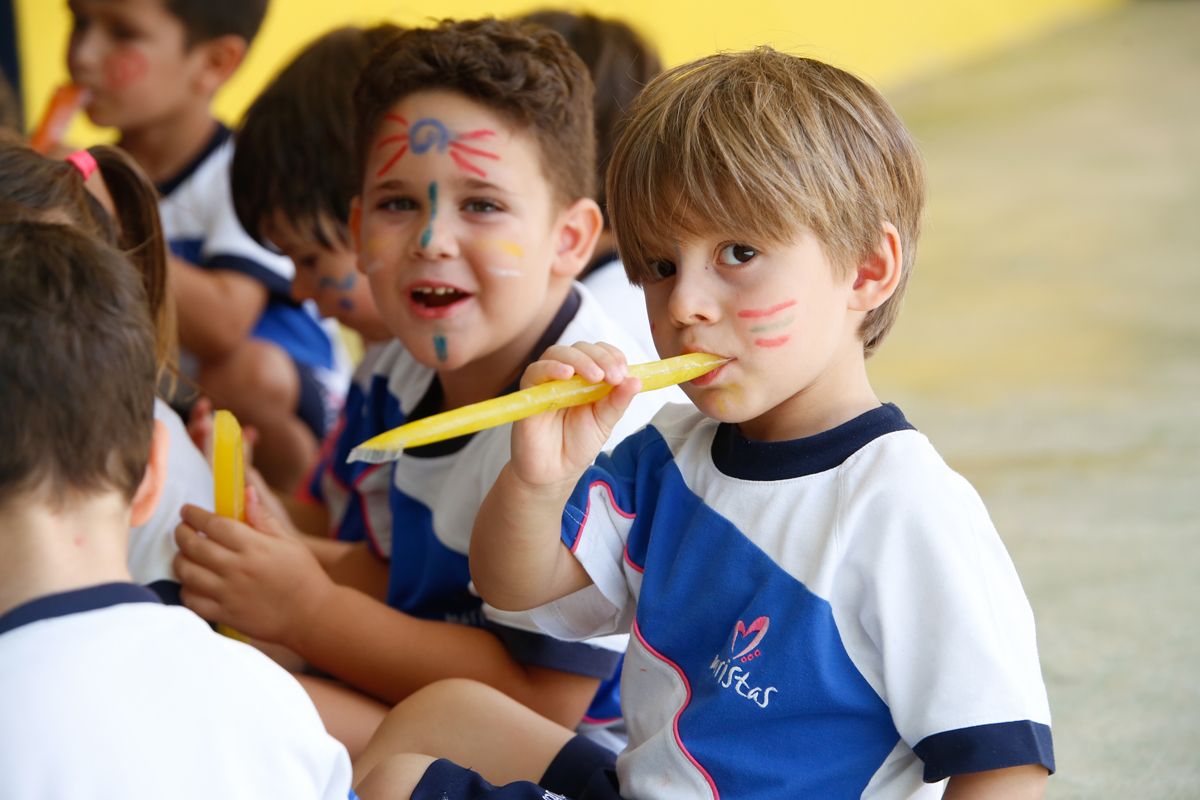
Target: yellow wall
883, 40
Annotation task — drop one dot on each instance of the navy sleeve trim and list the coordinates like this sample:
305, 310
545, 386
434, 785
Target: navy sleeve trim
538, 650
986, 747
276, 284
168, 591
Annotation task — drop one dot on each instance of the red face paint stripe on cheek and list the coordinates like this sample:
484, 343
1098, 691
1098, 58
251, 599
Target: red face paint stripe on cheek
778, 342
755, 313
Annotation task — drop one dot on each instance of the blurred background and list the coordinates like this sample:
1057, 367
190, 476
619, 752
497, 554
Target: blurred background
1049, 340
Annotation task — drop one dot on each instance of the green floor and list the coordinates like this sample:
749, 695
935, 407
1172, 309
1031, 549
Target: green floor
1050, 346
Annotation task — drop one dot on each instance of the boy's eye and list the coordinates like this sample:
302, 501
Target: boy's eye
733, 254
397, 204
662, 268
481, 207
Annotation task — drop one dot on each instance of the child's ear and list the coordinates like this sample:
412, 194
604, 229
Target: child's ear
878, 274
219, 59
145, 499
579, 227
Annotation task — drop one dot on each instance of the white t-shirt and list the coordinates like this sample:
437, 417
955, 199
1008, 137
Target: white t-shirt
833, 616
188, 480
106, 693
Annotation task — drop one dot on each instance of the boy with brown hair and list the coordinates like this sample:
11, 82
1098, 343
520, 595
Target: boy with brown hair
106, 691
819, 605
151, 69
293, 173
473, 218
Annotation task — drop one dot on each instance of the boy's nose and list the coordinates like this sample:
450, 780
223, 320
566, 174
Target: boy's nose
83, 52
692, 300
304, 287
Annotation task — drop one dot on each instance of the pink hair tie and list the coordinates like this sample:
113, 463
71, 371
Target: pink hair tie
83, 161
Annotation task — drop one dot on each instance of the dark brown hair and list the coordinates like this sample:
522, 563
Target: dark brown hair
50, 187
207, 19
77, 369
295, 146
620, 61
763, 144
525, 73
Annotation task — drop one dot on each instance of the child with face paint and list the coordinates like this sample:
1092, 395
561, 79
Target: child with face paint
151, 69
819, 605
473, 217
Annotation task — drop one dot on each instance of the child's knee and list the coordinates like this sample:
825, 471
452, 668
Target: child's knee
457, 697
258, 372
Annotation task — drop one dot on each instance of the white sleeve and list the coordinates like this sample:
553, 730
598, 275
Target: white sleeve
933, 613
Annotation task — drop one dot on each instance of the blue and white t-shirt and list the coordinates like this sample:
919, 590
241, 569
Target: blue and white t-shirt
419, 510
107, 693
828, 617
202, 228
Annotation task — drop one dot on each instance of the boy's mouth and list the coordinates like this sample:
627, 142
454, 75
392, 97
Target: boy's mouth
436, 300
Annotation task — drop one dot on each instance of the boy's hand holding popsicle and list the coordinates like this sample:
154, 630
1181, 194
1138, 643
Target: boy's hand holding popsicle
241, 566
554, 448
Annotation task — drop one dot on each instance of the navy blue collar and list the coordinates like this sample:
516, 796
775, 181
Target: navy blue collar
739, 457
220, 134
75, 601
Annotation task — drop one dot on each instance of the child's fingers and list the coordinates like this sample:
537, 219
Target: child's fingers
202, 550
546, 369
609, 359
612, 406
195, 578
230, 533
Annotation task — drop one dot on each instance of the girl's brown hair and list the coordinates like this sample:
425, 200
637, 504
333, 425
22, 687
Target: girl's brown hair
55, 191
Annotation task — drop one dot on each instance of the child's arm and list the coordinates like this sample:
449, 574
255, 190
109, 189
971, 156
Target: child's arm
217, 309
517, 561
1014, 783
269, 586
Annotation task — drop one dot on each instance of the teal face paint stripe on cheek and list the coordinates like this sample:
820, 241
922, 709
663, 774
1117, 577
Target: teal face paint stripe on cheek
427, 234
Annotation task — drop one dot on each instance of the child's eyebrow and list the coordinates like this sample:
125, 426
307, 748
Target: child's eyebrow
476, 185
391, 184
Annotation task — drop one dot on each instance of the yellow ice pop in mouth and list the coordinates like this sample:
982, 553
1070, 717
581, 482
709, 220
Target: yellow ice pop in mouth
229, 480
547, 396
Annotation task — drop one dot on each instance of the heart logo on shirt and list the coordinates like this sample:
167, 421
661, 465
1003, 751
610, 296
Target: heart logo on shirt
741, 632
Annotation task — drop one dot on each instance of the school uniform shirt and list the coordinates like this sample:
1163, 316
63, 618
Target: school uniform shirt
106, 693
202, 228
418, 511
828, 617
152, 547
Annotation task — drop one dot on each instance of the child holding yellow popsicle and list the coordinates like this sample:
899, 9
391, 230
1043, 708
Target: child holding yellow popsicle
106, 692
474, 216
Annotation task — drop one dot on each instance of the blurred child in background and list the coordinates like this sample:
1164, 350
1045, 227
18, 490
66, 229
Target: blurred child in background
151, 68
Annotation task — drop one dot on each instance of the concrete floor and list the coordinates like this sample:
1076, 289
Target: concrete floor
1049, 346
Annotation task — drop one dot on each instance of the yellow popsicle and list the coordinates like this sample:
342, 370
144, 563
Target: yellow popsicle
229, 476
525, 403
229, 480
